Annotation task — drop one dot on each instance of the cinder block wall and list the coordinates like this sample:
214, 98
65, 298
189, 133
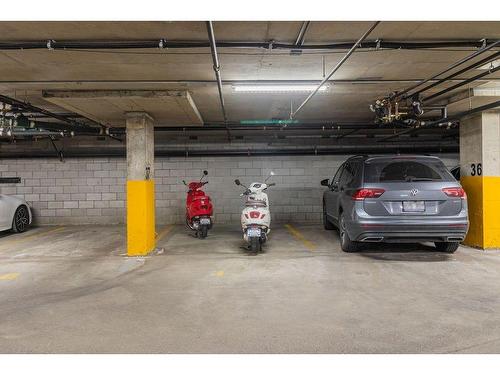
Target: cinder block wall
92, 190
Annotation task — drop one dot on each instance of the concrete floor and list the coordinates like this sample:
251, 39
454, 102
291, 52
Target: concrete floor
71, 290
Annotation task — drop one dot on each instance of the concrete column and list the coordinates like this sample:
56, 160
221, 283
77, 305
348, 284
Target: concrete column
140, 184
480, 177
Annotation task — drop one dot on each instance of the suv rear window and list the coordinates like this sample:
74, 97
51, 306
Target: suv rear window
406, 171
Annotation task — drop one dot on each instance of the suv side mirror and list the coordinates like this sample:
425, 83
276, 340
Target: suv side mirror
325, 182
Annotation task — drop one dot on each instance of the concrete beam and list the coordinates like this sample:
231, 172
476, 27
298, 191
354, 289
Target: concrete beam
169, 107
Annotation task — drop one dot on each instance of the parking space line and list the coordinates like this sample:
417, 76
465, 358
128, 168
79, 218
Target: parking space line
31, 236
300, 237
164, 232
9, 276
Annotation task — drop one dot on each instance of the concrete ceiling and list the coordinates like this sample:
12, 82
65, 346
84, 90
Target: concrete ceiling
25, 74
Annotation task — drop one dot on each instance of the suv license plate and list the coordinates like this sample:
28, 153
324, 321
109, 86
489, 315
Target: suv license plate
204, 220
253, 232
414, 206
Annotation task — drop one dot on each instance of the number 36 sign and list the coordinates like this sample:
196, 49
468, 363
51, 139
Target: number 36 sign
476, 169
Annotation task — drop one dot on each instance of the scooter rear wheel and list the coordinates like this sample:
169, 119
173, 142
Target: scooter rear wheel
255, 245
203, 231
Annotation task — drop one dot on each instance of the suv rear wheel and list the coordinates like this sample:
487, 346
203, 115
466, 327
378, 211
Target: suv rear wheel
345, 242
447, 247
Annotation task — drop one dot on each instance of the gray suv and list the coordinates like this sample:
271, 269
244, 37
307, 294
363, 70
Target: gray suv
395, 199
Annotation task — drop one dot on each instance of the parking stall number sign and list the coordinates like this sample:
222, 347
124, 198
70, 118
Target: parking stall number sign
476, 169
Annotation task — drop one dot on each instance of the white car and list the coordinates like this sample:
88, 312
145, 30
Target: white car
15, 214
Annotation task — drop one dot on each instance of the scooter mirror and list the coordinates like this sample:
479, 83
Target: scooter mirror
237, 182
184, 182
271, 184
205, 173
270, 175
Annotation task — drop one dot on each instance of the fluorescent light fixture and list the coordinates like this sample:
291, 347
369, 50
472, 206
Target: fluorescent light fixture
491, 65
278, 88
268, 122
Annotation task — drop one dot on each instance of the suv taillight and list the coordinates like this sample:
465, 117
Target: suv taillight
455, 192
361, 194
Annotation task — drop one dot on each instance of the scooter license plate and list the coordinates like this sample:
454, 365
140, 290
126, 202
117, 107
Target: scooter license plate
253, 232
204, 220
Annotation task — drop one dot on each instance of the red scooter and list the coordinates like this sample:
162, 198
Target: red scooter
199, 208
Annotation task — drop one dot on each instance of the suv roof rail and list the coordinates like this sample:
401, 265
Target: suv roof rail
359, 156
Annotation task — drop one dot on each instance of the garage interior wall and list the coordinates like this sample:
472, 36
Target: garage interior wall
92, 190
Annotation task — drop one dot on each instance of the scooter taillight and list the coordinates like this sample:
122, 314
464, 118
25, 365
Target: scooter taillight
254, 214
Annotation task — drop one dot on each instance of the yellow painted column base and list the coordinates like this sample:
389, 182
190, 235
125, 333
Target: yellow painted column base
140, 217
483, 200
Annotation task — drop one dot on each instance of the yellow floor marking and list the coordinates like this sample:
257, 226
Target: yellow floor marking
21, 239
219, 274
9, 276
296, 233
164, 232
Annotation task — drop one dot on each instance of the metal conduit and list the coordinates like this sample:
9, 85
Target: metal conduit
302, 33
451, 118
472, 79
216, 66
339, 64
448, 78
405, 92
165, 43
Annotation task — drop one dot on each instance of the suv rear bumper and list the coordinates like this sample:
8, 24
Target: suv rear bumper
409, 230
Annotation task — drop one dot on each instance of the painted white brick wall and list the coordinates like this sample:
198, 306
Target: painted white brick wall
92, 190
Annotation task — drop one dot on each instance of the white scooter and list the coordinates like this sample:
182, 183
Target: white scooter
256, 217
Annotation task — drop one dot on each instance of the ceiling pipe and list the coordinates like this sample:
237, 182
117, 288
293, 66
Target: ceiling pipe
453, 75
447, 119
467, 81
339, 64
216, 66
31, 108
32, 133
405, 93
336, 150
302, 33
164, 44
